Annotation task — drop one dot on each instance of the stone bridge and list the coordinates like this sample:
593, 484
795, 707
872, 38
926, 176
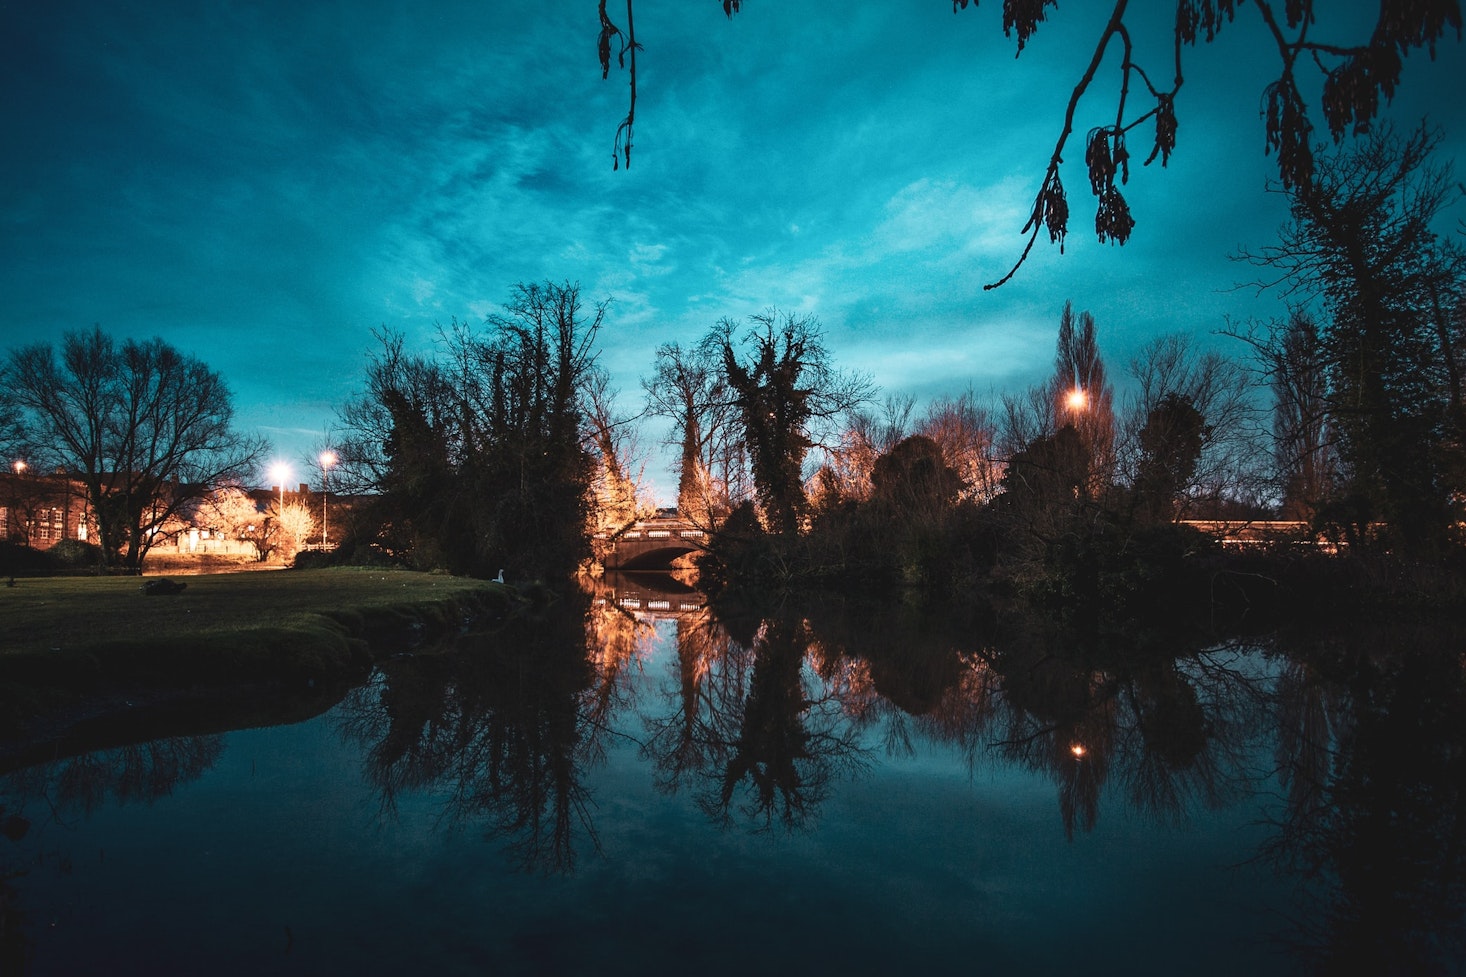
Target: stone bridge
652, 544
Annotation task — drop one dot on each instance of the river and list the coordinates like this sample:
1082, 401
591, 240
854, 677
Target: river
633, 784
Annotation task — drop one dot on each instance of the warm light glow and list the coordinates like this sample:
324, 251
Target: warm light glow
19, 467
1078, 750
1076, 399
328, 458
280, 472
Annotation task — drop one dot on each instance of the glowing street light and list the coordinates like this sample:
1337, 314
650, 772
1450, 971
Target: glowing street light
1079, 750
19, 466
327, 459
1076, 400
281, 472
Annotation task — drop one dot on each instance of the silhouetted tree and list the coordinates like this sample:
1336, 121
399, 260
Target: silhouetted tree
915, 477
482, 459
1362, 243
1170, 446
146, 428
1291, 360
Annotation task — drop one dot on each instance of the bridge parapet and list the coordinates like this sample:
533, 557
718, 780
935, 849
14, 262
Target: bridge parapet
653, 543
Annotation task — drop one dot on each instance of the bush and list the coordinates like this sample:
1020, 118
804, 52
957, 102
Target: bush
75, 553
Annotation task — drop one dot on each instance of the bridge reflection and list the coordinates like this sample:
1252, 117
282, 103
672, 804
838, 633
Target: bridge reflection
648, 595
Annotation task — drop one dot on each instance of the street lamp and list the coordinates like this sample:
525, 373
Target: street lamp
281, 472
1076, 400
19, 466
327, 459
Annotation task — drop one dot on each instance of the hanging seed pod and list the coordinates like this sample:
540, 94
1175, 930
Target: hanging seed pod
1165, 130
1112, 220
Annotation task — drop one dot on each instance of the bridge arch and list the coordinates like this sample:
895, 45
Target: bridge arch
653, 544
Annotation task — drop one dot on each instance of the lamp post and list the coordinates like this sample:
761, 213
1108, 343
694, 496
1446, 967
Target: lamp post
281, 472
327, 459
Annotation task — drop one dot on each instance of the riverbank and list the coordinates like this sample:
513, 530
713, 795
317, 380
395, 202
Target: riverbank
73, 646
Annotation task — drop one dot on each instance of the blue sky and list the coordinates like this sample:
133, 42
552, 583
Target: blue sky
262, 184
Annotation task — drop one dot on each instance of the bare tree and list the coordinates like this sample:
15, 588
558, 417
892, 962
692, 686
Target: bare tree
1291, 361
688, 389
1168, 371
870, 434
146, 428
966, 434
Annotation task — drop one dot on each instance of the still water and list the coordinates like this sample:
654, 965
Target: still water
632, 785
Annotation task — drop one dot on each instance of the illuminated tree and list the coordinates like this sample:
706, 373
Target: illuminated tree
614, 500
846, 474
687, 388
232, 511
786, 391
1354, 75
147, 429
965, 433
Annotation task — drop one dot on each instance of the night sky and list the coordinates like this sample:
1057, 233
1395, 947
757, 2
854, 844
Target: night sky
261, 184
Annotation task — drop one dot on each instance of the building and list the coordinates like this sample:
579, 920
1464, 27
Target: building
40, 510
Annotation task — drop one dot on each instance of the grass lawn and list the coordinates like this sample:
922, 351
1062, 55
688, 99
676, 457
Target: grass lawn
72, 631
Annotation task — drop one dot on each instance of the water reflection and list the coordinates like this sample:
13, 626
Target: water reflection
757, 740
1372, 746
497, 725
69, 790
1353, 744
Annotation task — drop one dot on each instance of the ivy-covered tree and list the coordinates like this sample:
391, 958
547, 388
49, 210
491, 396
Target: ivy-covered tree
1170, 447
781, 381
1363, 245
481, 458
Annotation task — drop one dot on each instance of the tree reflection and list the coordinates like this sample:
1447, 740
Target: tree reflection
139, 773
35, 796
499, 724
1373, 747
759, 741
